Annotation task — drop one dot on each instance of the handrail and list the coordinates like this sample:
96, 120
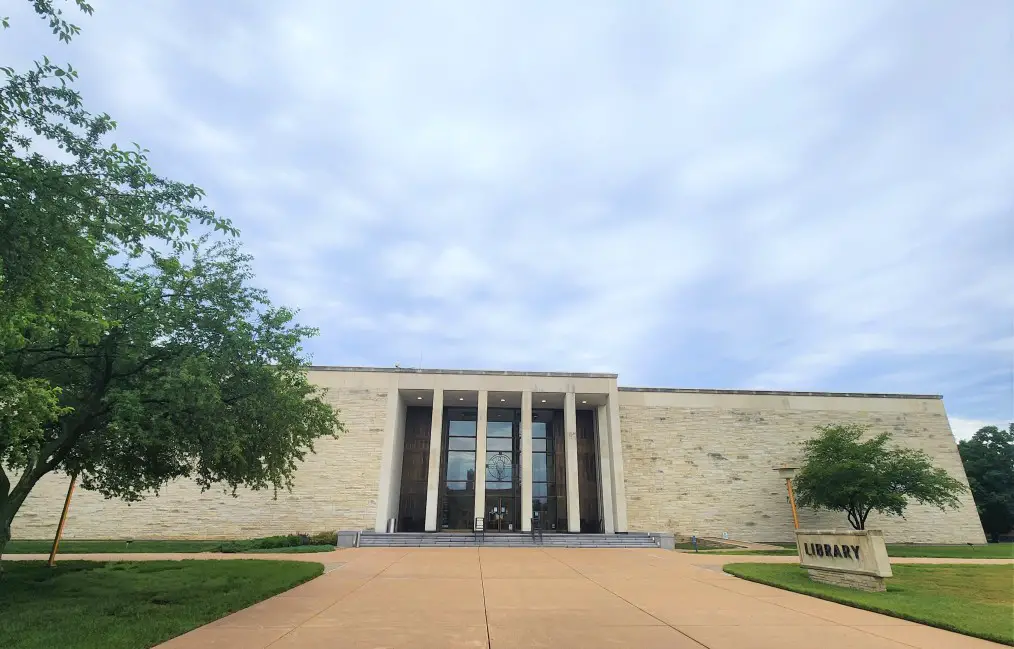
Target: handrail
536, 525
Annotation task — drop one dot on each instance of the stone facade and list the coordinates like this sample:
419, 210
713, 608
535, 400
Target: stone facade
869, 583
704, 462
677, 461
335, 488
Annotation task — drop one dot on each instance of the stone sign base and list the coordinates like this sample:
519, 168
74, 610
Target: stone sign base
869, 583
847, 558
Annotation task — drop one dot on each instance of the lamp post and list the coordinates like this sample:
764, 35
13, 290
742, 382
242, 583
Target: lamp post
787, 473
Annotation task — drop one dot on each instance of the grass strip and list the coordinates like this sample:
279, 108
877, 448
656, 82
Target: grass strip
130, 604
975, 600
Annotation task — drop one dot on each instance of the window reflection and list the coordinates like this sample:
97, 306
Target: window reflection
461, 428
500, 429
499, 444
461, 444
460, 465
457, 494
549, 504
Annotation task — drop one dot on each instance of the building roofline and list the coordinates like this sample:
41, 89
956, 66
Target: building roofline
605, 375
416, 370
787, 393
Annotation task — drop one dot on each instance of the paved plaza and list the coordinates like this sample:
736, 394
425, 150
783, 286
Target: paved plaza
505, 598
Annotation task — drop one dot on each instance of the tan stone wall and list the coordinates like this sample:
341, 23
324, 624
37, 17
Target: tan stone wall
693, 462
336, 488
705, 463
868, 583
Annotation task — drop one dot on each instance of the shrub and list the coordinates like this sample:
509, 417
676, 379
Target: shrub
324, 538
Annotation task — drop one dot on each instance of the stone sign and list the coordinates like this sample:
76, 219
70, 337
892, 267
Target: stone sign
851, 558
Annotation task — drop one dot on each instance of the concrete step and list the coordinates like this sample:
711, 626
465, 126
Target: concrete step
448, 539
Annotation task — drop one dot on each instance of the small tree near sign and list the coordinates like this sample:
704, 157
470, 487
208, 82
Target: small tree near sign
842, 472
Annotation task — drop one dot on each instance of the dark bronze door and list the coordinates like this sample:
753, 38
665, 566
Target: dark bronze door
500, 514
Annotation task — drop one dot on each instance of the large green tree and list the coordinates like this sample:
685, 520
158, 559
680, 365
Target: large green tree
843, 472
132, 351
989, 464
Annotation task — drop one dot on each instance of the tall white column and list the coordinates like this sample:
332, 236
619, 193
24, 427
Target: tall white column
480, 455
526, 461
389, 492
605, 469
570, 448
433, 477
616, 460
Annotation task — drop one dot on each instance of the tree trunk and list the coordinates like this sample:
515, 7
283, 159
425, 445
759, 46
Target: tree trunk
9, 506
5, 535
862, 519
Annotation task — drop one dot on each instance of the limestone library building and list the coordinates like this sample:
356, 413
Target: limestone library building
434, 450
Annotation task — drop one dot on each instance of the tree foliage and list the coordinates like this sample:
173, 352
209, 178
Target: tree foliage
843, 472
132, 351
989, 464
47, 10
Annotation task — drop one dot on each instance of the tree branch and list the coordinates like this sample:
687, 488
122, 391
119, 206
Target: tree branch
56, 450
853, 518
59, 357
141, 366
862, 521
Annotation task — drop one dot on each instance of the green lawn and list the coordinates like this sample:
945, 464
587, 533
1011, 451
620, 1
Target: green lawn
971, 599
296, 549
122, 604
765, 553
701, 545
990, 551
81, 547
266, 544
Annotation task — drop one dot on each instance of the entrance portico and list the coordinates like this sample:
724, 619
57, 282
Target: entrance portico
511, 448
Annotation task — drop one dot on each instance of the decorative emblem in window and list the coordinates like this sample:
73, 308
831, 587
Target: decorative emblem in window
498, 468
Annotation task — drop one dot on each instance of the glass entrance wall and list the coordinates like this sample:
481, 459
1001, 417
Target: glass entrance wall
503, 487
499, 501
549, 470
457, 497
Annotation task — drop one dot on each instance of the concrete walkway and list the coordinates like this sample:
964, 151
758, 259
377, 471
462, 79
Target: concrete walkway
512, 597
731, 544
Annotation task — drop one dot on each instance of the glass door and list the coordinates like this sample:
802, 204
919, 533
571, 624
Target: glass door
500, 515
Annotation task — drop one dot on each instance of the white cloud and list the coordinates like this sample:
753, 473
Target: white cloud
789, 195
965, 428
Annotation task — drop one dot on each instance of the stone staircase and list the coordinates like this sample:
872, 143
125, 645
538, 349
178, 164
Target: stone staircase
504, 540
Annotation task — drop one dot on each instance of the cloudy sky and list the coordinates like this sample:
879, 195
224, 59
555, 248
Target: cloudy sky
807, 195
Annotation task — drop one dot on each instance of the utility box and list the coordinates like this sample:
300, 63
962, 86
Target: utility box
665, 540
348, 539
